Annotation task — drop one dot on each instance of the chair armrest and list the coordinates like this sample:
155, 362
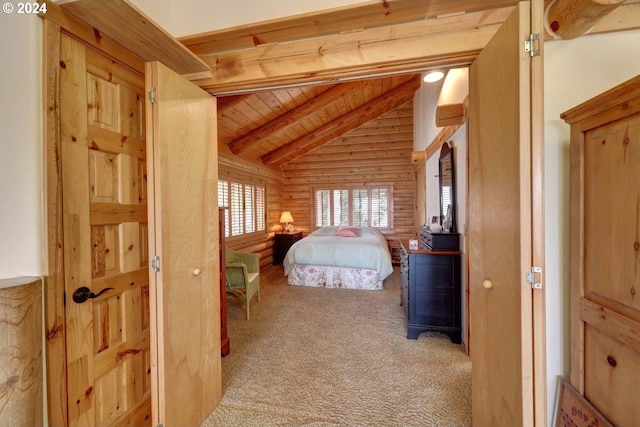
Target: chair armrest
251, 260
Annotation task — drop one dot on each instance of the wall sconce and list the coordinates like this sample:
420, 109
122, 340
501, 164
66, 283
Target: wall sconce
287, 218
433, 76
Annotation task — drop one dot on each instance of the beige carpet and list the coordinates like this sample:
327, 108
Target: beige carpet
337, 357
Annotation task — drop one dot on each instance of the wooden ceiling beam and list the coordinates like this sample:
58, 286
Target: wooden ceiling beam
292, 117
568, 19
406, 47
333, 21
355, 118
450, 115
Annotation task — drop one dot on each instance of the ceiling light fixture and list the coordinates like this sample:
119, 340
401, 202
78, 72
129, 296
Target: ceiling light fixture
433, 76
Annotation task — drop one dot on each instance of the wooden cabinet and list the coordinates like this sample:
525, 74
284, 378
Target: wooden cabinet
430, 291
281, 244
605, 251
224, 338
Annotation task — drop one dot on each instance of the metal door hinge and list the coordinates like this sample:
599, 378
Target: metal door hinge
159, 425
532, 46
531, 278
155, 263
152, 94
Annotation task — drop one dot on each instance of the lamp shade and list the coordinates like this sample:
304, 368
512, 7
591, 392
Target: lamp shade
286, 217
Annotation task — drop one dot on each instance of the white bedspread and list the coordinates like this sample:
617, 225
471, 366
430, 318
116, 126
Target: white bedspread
322, 247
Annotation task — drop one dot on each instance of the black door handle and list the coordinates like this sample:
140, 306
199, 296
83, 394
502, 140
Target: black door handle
82, 294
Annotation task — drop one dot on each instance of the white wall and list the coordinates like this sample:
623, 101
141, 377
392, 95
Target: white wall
186, 17
20, 146
575, 71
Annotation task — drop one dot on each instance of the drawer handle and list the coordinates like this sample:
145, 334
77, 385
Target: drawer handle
487, 284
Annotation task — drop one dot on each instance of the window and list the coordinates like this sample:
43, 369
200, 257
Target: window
365, 207
246, 207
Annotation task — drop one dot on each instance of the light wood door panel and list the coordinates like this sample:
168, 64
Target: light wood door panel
185, 299
104, 221
605, 243
500, 230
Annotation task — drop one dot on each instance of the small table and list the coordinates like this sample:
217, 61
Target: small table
281, 244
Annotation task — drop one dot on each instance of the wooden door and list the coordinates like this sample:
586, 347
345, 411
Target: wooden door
605, 248
185, 292
104, 209
500, 230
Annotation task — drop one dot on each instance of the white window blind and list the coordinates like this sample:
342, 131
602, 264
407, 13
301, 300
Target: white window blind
360, 208
246, 207
369, 206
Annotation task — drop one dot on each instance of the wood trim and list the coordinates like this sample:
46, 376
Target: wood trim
370, 14
611, 322
397, 48
450, 115
444, 135
56, 372
618, 99
127, 25
85, 33
538, 301
577, 221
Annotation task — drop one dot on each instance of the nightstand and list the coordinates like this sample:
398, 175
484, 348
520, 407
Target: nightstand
281, 244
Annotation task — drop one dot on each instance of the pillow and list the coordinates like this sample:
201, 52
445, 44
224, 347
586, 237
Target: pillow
348, 232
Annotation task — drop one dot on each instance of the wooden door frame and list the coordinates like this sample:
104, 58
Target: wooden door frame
57, 22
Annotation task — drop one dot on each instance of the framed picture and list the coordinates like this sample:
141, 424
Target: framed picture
573, 410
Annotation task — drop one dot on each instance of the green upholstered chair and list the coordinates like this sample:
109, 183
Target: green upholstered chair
243, 275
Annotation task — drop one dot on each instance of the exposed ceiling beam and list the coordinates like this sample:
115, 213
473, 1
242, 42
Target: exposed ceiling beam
569, 19
334, 21
292, 117
449, 115
406, 47
390, 100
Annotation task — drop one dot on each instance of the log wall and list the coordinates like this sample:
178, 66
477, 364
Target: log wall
235, 168
377, 152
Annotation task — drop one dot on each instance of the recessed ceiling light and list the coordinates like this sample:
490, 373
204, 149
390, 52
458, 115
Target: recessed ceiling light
433, 76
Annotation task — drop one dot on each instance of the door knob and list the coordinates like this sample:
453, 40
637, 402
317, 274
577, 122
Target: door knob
82, 294
487, 284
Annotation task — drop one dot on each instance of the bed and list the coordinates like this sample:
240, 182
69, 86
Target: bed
339, 257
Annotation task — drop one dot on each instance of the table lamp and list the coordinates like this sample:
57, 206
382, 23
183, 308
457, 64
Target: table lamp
286, 218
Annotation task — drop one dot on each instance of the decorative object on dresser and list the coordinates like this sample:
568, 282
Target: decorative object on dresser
431, 285
281, 244
225, 346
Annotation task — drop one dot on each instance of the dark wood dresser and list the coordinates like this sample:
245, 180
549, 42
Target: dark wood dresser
224, 338
431, 288
281, 244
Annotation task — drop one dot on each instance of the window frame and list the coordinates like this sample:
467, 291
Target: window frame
350, 188
259, 212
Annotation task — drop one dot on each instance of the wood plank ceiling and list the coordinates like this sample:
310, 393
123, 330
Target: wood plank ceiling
311, 106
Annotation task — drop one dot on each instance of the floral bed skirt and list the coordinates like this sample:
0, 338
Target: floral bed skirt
325, 276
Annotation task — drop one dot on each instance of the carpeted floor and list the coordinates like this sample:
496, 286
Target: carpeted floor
337, 357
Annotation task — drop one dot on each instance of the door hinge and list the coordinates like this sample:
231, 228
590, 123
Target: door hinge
155, 263
159, 425
152, 94
532, 46
531, 278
